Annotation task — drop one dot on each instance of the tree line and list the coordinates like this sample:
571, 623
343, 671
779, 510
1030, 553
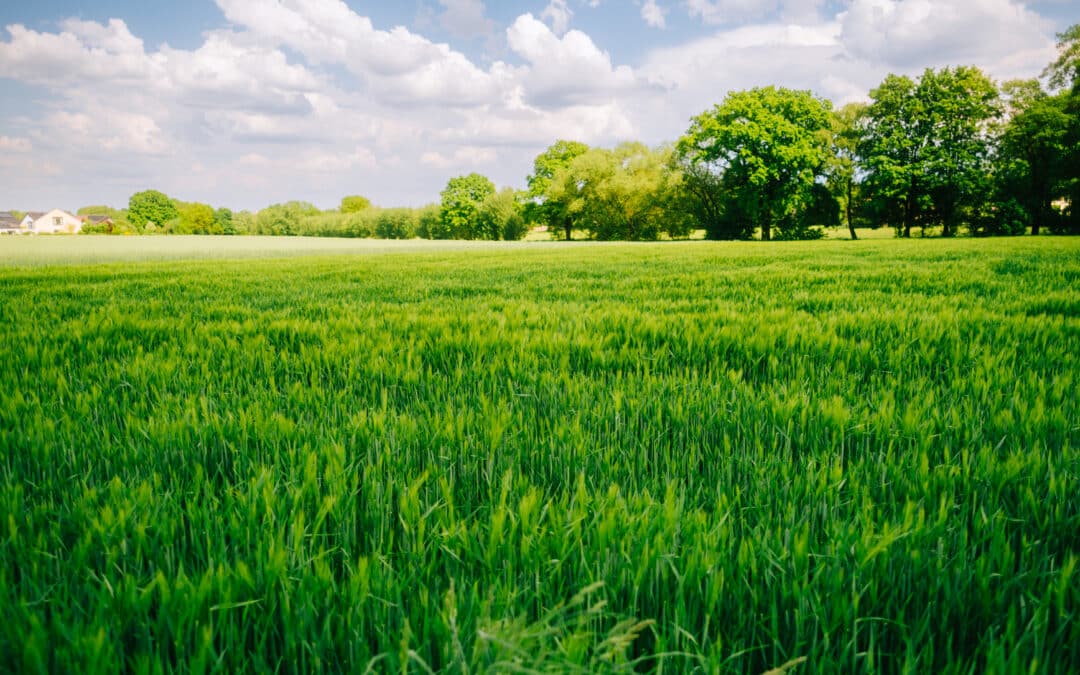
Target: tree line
946, 152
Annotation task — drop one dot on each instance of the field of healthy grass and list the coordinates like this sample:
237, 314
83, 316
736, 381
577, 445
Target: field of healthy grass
835, 457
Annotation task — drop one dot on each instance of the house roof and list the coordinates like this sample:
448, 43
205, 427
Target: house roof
36, 214
6, 218
95, 218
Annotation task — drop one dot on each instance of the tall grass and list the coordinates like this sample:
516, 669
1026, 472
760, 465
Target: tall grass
678, 457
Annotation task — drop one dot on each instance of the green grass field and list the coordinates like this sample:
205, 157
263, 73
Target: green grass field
300, 456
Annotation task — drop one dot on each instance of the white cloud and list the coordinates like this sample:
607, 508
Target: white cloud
467, 156
567, 69
917, 33
466, 18
115, 131
65, 58
558, 14
10, 145
653, 14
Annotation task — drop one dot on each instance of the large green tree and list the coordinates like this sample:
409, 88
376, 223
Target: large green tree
1032, 159
549, 204
622, 194
461, 200
770, 146
150, 206
926, 147
1064, 77
843, 170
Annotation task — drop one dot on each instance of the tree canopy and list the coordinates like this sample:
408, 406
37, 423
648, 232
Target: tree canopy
550, 203
354, 204
150, 206
768, 146
461, 200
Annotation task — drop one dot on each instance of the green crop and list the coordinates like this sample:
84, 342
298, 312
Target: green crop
673, 457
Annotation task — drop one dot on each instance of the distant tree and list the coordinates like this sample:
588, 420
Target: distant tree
280, 219
461, 202
926, 147
395, 224
703, 198
119, 225
843, 164
429, 223
768, 146
500, 217
354, 204
223, 221
544, 207
196, 218
1031, 162
244, 222
1064, 75
1064, 72
99, 210
621, 194
150, 206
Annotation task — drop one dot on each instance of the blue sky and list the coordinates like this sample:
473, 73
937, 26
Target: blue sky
243, 103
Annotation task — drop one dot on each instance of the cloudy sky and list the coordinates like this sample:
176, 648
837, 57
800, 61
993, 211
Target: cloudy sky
243, 103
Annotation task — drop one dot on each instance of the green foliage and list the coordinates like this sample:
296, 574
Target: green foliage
429, 224
614, 458
150, 206
354, 204
703, 199
620, 194
244, 222
1032, 158
501, 217
461, 200
196, 218
223, 221
396, 224
280, 219
843, 173
769, 146
550, 203
1064, 72
926, 148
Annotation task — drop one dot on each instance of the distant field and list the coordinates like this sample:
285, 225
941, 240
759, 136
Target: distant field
84, 249
287, 455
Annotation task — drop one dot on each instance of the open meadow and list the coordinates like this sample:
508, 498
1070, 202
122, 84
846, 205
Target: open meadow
315, 456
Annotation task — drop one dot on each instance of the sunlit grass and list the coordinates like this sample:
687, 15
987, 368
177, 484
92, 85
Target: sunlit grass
851, 457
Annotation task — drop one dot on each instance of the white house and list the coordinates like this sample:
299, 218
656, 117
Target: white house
53, 222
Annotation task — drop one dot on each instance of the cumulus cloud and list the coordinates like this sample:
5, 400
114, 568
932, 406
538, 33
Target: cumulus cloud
558, 14
653, 14
911, 33
567, 69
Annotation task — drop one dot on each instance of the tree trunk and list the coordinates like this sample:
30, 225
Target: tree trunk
909, 208
847, 212
1043, 213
